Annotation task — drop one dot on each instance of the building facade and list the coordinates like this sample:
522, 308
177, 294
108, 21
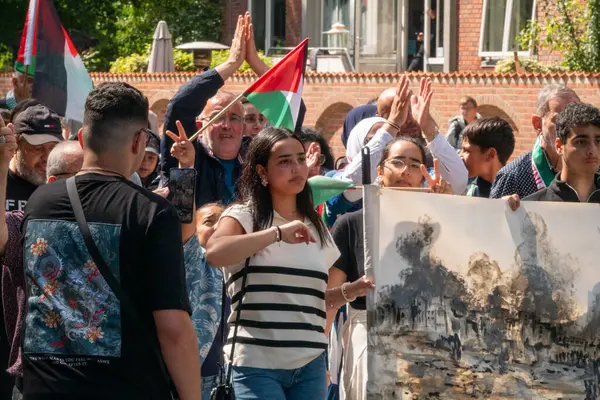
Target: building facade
381, 35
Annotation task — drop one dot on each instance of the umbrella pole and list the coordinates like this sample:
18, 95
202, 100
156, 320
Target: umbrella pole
219, 115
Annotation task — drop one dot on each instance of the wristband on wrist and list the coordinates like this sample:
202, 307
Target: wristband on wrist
393, 124
277, 234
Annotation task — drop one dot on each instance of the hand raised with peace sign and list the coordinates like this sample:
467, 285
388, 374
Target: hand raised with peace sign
436, 184
183, 150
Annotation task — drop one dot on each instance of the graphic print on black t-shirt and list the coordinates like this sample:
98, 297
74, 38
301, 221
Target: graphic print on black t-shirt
18, 191
72, 309
78, 341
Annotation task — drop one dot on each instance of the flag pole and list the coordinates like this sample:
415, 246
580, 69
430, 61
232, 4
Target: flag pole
219, 115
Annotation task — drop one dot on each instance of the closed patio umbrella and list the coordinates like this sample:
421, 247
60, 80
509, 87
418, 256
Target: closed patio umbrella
161, 57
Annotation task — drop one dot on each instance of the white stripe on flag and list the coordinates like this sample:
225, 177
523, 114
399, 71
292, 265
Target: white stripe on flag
31, 23
79, 85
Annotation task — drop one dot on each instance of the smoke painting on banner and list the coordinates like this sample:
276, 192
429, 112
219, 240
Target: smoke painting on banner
473, 300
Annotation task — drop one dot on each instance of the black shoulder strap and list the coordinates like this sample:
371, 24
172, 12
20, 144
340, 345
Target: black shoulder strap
237, 318
126, 304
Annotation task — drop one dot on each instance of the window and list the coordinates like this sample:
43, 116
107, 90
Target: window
501, 22
378, 23
337, 11
268, 19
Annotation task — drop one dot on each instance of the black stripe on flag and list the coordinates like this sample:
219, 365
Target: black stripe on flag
50, 81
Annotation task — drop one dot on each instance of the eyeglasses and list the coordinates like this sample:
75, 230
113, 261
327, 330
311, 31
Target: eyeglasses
322, 159
232, 119
401, 166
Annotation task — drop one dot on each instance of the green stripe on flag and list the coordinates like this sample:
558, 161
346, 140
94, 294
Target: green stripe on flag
275, 107
21, 67
324, 188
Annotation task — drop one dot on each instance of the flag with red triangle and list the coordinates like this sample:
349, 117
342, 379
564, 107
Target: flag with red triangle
278, 93
60, 79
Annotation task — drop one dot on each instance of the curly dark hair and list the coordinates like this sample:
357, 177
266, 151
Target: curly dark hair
576, 114
252, 192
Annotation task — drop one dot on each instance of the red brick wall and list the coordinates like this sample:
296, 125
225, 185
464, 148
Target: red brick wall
293, 22
231, 10
329, 97
469, 28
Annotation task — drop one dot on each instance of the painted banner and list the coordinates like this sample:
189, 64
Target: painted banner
473, 300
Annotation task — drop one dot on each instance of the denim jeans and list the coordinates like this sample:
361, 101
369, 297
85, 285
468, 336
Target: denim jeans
208, 384
308, 382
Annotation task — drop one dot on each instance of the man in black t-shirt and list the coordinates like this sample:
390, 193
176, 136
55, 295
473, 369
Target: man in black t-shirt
38, 130
79, 341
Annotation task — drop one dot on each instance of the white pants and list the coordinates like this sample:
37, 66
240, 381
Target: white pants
353, 384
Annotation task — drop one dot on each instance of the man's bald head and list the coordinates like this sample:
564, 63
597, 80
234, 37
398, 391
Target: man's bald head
224, 136
222, 98
384, 102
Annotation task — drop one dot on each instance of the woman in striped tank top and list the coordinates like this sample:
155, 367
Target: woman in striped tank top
280, 344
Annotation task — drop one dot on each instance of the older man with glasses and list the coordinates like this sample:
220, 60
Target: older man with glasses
219, 150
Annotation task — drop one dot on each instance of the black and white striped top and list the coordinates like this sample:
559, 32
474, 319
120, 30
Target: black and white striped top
282, 322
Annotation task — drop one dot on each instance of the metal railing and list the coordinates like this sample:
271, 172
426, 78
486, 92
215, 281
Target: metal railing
314, 52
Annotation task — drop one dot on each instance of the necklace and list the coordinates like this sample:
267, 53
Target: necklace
106, 171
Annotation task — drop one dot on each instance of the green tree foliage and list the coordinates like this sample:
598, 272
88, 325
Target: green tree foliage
508, 66
571, 27
184, 62
220, 56
104, 30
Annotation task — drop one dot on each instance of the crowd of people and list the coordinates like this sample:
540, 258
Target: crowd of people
106, 294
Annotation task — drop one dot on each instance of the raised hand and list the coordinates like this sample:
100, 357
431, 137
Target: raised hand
296, 232
436, 184
237, 52
182, 149
313, 154
401, 104
8, 145
252, 57
420, 109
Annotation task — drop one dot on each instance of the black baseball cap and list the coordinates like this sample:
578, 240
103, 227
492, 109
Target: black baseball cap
38, 125
153, 143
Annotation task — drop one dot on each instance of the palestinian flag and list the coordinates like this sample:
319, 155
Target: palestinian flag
278, 93
61, 81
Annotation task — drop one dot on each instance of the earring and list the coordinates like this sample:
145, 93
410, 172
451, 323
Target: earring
264, 181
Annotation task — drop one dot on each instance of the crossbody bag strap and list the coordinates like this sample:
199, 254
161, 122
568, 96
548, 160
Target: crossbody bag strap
108, 276
237, 318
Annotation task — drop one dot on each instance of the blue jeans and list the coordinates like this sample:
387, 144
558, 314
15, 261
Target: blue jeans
208, 384
308, 382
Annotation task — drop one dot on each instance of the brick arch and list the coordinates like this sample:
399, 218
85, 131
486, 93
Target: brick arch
488, 110
330, 124
495, 106
160, 108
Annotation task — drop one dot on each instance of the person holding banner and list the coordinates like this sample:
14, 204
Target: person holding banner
402, 165
536, 169
275, 251
578, 146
